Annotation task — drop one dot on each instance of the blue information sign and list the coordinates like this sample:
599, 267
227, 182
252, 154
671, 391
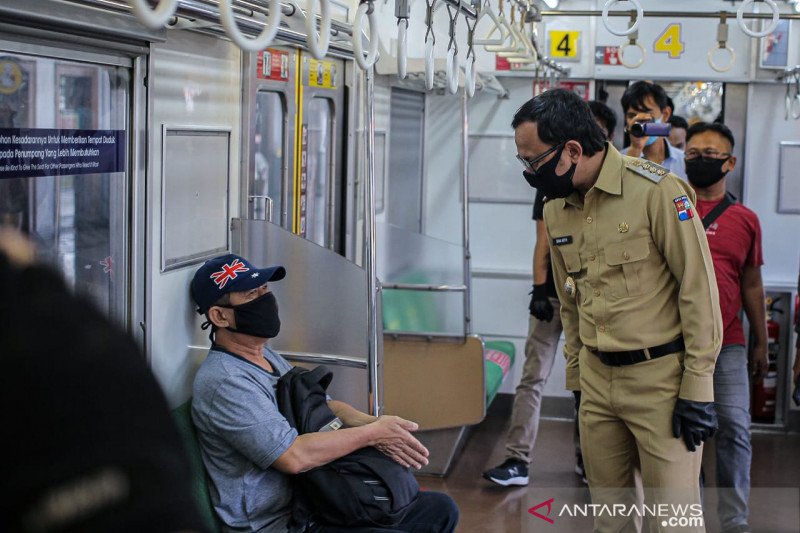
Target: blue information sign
31, 153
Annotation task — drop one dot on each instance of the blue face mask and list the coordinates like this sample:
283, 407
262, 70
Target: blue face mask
651, 140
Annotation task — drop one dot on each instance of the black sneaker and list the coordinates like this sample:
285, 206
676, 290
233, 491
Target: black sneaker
511, 472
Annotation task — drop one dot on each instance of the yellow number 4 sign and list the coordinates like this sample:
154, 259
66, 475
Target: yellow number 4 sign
669, 42
565, 44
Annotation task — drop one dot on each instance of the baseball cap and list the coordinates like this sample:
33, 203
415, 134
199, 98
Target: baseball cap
229, 273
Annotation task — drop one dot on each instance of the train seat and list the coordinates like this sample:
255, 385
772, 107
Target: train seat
414, 312
183, 419
433, 378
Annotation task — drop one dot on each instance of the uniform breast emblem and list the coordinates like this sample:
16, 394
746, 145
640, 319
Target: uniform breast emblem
569, 286
623, 227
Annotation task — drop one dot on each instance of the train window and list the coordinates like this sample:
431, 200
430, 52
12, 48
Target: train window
407, 126
318, 196
77, 219
266, 181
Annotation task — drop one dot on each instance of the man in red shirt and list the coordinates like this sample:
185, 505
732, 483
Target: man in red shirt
734, 237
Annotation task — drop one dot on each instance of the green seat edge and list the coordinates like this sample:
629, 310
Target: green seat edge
183, 420
494, 374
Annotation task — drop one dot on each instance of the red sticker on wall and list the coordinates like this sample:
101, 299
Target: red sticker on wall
273, 65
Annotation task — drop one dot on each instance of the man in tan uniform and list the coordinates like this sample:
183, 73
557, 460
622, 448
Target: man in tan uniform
639, 306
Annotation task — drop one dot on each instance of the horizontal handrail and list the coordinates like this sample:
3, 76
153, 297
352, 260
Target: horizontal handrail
423, 287
324, 359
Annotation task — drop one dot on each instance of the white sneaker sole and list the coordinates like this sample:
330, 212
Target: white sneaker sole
516, 481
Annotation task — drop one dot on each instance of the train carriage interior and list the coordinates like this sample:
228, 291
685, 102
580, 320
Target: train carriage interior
367, 147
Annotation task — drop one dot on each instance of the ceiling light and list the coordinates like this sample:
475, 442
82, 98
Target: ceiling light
552, 4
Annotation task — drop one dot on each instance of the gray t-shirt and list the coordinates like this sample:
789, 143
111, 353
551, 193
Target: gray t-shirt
241, 434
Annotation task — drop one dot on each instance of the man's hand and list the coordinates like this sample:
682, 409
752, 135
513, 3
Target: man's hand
759, 363
393, 438
540, 306
696, 421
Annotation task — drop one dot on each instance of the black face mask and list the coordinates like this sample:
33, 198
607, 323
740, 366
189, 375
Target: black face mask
258, 317
704, 173
551, 184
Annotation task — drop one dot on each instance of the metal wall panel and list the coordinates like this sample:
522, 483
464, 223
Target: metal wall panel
322, 300
193, 79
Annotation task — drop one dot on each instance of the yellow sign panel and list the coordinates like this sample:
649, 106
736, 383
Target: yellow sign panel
564, 44
322, 74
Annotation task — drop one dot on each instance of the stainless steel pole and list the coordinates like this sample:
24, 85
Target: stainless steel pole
374, 356
465, 189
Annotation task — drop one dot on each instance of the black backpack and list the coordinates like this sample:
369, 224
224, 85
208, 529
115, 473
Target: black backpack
363, 488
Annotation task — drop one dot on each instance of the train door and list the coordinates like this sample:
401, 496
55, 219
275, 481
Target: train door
64, 135
320, 173
270, 128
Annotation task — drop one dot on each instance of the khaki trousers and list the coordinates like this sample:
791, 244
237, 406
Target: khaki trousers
626, 432
540, 352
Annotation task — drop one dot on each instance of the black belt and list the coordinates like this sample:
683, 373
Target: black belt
631, 357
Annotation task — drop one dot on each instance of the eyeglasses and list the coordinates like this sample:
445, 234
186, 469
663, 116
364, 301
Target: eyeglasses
708, 156
531, 164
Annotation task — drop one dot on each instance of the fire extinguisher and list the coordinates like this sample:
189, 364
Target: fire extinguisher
765, 391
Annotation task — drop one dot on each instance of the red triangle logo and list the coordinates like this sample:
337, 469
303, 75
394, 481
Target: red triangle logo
545, 517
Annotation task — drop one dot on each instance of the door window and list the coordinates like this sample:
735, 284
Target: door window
78, 221
319, 164
266, 179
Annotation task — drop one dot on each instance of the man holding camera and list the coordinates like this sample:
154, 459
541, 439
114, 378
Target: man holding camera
647, 123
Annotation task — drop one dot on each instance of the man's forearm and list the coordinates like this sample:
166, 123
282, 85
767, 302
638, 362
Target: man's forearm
541, 254
753, 304
348, 414
314, 449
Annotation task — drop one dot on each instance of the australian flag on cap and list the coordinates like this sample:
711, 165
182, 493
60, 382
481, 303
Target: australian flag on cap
229, 273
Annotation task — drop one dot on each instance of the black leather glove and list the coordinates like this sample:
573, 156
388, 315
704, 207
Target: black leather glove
540, 305
696, 421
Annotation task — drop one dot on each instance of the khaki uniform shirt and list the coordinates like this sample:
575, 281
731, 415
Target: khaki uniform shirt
637, 253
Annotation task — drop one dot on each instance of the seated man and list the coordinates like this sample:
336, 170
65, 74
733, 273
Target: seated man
248, 447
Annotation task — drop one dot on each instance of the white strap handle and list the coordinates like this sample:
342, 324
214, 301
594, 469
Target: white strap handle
257, 44
795, 107
508, 33
497, 25
402, 48
769, 29
731, 59
636, 64
429, 63
318, 46
470, 77
358, 27
639, 17
154, 18
452, 71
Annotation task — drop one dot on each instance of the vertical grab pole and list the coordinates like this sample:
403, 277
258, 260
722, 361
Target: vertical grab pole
465, 192
374, 357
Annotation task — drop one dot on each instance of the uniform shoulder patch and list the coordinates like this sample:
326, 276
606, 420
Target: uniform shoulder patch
647, 169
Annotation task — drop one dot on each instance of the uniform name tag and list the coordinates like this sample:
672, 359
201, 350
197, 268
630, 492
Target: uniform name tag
561, 241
